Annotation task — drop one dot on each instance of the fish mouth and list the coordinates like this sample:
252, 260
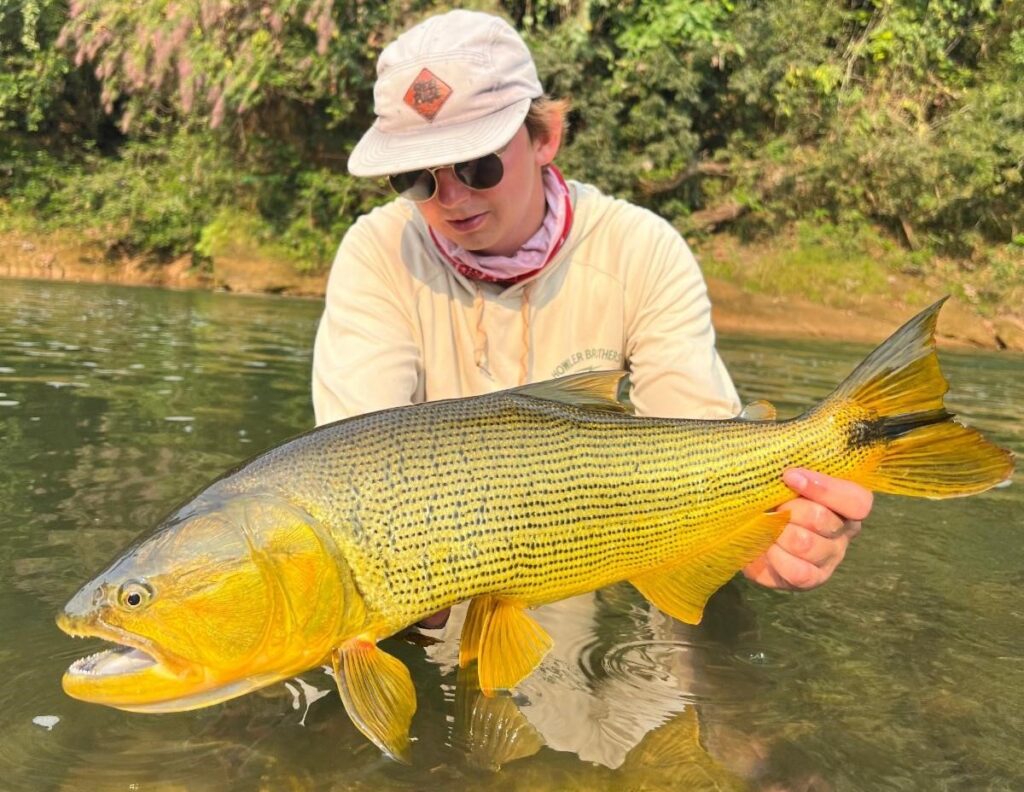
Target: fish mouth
130, 653
118, 661
131, 675
136, 676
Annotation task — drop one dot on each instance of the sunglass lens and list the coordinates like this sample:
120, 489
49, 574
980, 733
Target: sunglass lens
415, 185
480, 174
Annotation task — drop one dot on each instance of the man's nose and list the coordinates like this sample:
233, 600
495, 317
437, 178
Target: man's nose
450, 191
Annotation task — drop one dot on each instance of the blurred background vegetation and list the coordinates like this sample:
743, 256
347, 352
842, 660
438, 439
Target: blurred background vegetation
884, 131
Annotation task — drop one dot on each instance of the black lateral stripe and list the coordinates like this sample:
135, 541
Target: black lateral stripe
893, 426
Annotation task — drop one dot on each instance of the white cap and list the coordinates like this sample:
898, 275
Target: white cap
453, 88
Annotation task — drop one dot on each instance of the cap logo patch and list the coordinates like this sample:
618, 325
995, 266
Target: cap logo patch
427, 94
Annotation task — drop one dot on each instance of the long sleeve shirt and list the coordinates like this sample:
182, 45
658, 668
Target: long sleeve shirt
401, 326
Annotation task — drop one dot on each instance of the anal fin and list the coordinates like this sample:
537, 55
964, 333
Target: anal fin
378, 695
508, 643
682, 589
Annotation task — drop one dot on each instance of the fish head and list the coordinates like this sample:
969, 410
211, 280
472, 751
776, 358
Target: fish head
228, 595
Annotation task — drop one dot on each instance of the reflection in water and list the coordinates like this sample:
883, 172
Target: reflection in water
594, 698
494, 731
597, 716
630, 716
491, 730
906, 671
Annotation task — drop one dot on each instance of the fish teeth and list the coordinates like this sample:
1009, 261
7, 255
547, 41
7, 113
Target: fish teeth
75, 632
86, 665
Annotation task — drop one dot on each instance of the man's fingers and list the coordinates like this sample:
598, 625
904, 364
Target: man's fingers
761, 572
783, 570
822, 521
809, 546
815, 517
845, 498
801, 557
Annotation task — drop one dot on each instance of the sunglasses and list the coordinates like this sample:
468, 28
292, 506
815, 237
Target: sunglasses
478, 174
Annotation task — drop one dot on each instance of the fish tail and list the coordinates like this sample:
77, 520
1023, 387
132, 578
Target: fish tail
919, 449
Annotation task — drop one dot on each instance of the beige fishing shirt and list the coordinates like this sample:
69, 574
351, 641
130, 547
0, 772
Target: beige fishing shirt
401, 326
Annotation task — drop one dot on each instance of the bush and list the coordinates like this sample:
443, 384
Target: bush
898, 114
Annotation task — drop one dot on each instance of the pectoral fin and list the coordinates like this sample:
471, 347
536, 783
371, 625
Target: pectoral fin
508, 643
378, 695
682, 589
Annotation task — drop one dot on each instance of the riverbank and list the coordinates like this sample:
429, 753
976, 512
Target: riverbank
867, 317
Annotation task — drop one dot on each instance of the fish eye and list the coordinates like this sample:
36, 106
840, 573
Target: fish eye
134, 594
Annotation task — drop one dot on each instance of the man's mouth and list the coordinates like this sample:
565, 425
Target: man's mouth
467, 224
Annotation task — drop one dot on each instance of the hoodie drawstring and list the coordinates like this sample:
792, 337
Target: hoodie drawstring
479, 334
524, 359
480, 343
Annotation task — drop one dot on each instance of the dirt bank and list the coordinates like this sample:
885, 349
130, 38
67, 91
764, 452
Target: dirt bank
873, 318
871, 321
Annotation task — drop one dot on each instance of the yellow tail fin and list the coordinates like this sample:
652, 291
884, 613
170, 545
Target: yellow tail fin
924, 452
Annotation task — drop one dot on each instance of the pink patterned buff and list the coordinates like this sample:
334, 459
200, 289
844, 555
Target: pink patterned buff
535, 253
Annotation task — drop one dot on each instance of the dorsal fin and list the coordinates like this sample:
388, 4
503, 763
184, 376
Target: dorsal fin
760, 410
595, 390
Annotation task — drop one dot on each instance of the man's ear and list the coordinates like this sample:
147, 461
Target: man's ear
547, 147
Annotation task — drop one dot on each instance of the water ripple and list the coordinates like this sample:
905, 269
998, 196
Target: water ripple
903, 672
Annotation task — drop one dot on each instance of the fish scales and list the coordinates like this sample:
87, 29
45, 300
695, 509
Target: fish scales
530, 499
337, 539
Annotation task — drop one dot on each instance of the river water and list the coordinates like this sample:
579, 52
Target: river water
905, 672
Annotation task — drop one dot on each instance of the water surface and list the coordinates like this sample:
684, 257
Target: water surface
904, 672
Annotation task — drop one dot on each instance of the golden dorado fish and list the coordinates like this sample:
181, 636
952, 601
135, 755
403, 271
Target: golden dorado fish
321, 547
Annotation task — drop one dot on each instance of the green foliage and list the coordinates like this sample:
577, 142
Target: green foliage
251, 61
238, 234
675, 24
46, 101
142, 122
306, 237
32, 71
818, 260
166, 196
638, 77
153, 197
325, 205
904, 113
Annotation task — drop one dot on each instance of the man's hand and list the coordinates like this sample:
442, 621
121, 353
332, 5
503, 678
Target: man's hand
822, 521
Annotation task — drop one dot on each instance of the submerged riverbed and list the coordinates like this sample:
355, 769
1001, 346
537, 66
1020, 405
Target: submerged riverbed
904, 672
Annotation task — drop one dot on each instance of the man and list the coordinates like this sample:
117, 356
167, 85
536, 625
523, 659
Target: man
491, 271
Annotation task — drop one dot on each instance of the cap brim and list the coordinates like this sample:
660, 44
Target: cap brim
381, 153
